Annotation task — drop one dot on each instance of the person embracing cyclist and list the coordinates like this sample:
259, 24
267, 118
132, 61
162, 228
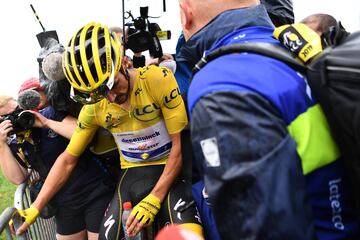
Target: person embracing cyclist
144, 111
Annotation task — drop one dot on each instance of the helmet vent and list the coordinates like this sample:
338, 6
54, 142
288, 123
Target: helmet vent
89, 52
101, 42
83, 75
73, 74
93, 73
89, 33
103, 62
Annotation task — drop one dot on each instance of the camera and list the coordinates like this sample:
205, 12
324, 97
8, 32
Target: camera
44, 37
20, 119
143, 35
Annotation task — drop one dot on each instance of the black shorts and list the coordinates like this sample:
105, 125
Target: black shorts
134, 185
75, 218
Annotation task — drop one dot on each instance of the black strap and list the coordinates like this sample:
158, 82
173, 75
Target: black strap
265, 49
15, 149
40, 165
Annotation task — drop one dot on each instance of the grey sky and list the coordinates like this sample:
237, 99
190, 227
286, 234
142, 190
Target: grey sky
19, 46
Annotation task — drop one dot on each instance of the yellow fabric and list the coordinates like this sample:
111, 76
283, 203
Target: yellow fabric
157, 110
30, 214
193, 227
103, 142
146, 210
300, 39
315, 144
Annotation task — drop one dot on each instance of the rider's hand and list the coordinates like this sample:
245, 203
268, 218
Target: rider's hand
30, 215
11, 227
143, 213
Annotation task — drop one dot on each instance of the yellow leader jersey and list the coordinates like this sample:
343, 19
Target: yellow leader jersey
141, 132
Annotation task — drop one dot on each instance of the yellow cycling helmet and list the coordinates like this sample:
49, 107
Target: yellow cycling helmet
91, 59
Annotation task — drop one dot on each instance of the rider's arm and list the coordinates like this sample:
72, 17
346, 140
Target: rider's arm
172, 169
66, 162
151, 204
174, 113
57, 177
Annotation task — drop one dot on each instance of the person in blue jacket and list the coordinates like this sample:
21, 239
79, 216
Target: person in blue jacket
268, 161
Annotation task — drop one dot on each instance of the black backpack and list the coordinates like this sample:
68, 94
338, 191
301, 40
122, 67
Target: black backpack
334, 78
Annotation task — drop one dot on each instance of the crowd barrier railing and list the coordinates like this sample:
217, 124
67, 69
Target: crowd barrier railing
41, 229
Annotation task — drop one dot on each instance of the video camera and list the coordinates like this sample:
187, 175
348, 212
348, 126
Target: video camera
143, 35
20, 119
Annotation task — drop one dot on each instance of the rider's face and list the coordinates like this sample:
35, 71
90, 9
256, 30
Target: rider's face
120, 90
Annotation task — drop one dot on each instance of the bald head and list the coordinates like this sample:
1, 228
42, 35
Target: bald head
195, 14
320, 22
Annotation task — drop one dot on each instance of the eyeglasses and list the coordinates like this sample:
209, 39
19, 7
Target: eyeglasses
95, 96
84, 98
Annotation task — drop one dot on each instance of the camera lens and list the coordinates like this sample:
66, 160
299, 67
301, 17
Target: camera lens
26, 120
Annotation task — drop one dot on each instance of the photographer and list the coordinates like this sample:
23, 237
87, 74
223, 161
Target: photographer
9, 166
80, 204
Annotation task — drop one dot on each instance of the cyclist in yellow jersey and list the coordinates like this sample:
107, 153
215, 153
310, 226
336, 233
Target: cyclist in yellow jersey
141, 126
144, 111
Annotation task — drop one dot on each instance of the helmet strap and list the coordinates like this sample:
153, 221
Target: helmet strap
127, 75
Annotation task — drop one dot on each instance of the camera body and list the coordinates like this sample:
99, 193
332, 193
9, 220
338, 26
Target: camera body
20, 119
43, 37
143, 35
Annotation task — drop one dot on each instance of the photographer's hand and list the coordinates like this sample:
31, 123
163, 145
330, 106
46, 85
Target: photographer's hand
11, 169
5, 128
40, 120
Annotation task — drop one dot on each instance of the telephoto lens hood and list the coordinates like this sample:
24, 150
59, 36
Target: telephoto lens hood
26, 120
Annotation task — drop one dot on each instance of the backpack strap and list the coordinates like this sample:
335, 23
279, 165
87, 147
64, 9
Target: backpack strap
17, 150
261, 48
39, 164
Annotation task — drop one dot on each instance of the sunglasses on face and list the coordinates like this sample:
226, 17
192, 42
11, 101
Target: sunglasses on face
95, 96
84, 98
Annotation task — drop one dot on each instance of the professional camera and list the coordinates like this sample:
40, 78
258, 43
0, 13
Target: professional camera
20, 120
143, 35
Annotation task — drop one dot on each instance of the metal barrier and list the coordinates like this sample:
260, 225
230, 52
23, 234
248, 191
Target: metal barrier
5, 217
41, 229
